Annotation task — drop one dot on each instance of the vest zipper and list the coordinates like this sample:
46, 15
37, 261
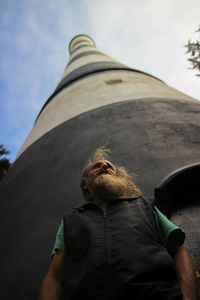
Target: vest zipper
107, 265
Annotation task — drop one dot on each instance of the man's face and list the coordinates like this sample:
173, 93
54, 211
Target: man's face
101, 167
103, 183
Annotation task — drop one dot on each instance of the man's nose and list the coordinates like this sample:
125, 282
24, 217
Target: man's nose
104, 166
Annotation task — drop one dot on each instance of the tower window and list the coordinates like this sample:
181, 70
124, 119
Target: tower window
113, 81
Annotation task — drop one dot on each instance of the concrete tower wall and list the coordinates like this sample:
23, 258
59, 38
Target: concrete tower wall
152, 128
92, 80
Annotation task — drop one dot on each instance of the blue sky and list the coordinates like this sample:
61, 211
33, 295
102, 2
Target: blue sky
144, 34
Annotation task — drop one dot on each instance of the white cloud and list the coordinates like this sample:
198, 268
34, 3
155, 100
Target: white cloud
149, 35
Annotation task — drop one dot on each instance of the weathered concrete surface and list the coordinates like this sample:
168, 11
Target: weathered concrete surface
151, 137
95, 91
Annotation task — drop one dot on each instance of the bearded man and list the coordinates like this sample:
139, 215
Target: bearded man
117, 245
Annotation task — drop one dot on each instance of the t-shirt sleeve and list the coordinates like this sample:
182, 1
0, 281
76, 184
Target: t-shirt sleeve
59, 242
165, 227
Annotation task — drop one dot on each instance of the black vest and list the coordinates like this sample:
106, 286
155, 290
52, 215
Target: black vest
116, 255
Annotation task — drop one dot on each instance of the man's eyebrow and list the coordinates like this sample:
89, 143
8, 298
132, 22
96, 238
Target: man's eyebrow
95, 165
111, 165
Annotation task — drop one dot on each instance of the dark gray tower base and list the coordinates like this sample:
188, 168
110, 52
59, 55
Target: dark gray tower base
151, 136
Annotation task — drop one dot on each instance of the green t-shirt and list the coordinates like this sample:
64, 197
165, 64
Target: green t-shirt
164, 228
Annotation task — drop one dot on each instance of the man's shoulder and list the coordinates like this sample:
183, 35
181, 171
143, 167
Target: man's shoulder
142, 200
68, 214
72, 210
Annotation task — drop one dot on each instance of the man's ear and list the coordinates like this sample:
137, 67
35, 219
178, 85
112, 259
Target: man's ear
84, 187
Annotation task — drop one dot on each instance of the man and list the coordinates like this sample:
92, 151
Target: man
117, 245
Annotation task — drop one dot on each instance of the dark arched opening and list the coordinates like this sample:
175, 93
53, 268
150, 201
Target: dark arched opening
180, 188
178, 197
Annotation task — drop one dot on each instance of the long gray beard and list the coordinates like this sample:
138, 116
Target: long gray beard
108, 187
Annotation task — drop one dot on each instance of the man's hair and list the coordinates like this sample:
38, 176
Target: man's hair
102, 154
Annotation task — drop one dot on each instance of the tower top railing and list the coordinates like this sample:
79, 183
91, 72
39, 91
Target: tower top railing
79, 41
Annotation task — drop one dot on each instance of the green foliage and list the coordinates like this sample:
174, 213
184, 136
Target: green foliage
4, 162
194, 49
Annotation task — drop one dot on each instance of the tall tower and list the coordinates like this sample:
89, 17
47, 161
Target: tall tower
152, 129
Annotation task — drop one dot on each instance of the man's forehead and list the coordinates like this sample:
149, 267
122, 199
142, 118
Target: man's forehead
100, 161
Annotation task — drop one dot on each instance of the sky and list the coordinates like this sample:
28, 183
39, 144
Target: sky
148, 35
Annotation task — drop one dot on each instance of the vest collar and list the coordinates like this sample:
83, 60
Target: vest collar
83, 205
